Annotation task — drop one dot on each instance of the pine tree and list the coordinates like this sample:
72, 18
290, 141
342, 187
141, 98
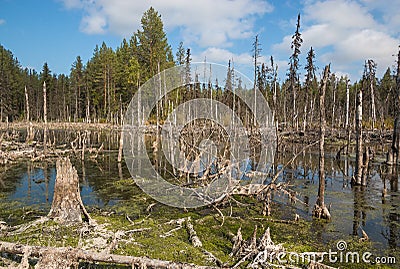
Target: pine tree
385, 93
310, 86
154, 52
256, 55
293, 69
187, 76
180, 54
127, 72
11, 86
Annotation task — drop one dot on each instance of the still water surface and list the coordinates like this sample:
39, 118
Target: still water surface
375, 208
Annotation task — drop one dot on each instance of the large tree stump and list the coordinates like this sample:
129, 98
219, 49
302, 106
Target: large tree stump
67, 206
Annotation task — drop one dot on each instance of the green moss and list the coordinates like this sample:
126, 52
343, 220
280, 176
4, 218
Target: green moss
303, 236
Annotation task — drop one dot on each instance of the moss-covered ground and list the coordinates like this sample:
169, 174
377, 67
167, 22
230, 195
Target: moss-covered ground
150, 232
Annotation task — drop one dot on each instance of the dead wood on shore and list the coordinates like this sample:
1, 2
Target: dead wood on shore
67, 257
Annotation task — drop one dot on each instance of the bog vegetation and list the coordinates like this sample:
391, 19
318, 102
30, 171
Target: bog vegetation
310, 110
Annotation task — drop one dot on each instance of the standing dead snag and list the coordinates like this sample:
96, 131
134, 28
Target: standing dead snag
67, 206
393, 155
45, 118
121, 145
362, 157
359, 161
320, 210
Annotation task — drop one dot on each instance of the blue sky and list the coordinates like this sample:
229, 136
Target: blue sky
342, 32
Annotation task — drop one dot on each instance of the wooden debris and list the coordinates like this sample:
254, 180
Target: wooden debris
364, 237
67, 206
192, 234
66, 257
237, 243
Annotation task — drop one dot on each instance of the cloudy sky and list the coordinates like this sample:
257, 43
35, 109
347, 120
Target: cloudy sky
342, 32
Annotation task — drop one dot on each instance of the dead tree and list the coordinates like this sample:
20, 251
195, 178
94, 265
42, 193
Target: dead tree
66, 257
371, 77
67, 206
347, 125
29, 129
121, 139
45, 118
27, 105
362, 157
320, 210
393, 155
357, 179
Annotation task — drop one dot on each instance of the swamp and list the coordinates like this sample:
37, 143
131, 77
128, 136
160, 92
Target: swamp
139, 160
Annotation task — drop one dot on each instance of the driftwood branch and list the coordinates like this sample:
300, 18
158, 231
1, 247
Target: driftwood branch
75, 255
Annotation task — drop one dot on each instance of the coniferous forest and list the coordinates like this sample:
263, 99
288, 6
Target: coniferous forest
96, 90
68, 199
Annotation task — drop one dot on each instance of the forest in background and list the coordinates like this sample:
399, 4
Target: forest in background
100, 89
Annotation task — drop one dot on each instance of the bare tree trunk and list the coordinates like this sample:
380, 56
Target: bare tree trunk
255, 56
29, 134
365, 166
67, 205
396, 128
76, 105
312, 105
63, 257
320, 210
334, 105
88, 110
45, 118
1, 111
305, 115
284, 108
396, 140
347, 125
359, 138
27, 105
373, 105
294, 121
372, 67
121, 140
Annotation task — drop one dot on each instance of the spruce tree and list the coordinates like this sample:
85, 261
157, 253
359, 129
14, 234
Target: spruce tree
154, 52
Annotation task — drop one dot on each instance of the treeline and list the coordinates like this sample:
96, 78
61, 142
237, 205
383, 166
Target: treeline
100, 89
93, 91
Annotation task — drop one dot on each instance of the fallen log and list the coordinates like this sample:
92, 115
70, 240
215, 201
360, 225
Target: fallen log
64, 257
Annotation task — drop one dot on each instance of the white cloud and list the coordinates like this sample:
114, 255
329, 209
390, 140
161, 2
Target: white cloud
340, 13
93, 24
244, 61
347, 32
388, 11
367, 43
2, 21
218, 55
69, 4
206, 22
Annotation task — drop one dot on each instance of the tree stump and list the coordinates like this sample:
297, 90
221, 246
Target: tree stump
67, 206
